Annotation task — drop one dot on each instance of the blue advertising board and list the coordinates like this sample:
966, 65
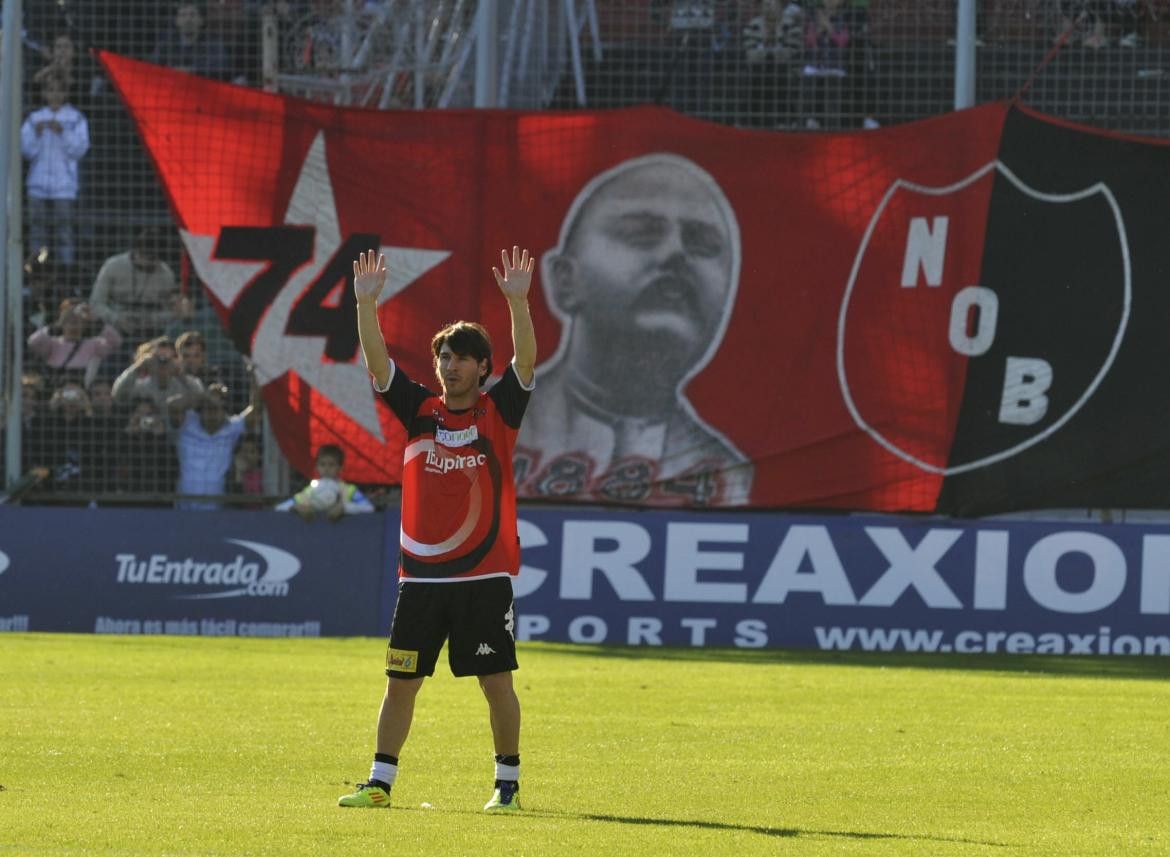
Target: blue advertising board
648, 578
843, 582
160, 571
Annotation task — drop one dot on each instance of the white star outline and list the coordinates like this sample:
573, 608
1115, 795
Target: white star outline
274, 353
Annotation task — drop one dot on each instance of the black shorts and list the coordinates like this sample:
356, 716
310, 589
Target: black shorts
477, 615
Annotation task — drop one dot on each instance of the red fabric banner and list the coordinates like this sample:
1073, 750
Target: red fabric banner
721, 314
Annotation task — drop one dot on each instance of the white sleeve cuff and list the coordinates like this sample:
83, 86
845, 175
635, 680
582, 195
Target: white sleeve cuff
523, 386
389, 378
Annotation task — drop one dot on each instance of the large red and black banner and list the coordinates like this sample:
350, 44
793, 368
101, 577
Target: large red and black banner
962, 315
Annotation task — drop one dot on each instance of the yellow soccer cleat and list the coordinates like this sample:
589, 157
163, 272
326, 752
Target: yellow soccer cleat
368, 797
504, 799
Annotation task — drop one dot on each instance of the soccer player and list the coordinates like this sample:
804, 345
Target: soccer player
459, 547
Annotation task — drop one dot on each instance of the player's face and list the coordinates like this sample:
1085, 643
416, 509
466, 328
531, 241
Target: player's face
655, 261
458, 373
328, 467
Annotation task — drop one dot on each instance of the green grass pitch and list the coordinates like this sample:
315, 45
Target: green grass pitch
187, 746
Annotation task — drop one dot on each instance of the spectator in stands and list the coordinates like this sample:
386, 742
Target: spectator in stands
106, 422
192, 350
54, 138
101, 397
220, 357
1091, 21
777, 33
647, 263
860, 67
60, 61
155, 374
247, 474
349, 498
207, 439
83, 79
826, 36
136, 292
45, 286
188, 47
826, 39
145, 455
62, 441
773, 43
32, 398
72, 348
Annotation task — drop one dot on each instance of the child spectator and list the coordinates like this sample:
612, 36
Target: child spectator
247, 476
53, 139
350, 500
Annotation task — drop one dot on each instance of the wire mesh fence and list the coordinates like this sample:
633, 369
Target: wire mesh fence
126, 360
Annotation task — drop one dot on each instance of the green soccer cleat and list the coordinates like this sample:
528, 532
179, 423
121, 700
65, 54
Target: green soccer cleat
367, 796
504, 800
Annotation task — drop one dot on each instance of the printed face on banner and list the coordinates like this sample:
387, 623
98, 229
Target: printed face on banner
643, 277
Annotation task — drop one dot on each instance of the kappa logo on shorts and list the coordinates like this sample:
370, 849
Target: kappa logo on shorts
401, 660
485, 649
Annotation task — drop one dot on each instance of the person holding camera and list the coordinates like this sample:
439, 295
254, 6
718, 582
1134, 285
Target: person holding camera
70, 347
61, 440
146, 460
156, 374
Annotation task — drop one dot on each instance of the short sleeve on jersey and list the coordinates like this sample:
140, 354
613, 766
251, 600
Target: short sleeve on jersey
511, 397
403, 395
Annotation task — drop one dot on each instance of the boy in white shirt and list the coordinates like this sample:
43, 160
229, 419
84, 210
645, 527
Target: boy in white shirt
53, 138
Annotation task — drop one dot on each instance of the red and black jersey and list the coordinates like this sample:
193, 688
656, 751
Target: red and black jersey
458, 495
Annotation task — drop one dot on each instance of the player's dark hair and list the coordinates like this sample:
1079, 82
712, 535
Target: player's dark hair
333, 451
467, 339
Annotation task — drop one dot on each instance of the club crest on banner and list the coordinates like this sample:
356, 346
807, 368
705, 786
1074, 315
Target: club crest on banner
949, 350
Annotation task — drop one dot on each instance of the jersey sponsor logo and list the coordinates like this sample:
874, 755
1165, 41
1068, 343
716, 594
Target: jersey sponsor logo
402, 660
485, 649
456, 437
246, 577
439, 463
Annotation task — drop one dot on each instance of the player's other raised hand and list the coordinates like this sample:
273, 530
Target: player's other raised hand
369, 276
516, 277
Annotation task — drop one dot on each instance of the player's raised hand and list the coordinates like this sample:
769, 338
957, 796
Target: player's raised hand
369, 276
517, 274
